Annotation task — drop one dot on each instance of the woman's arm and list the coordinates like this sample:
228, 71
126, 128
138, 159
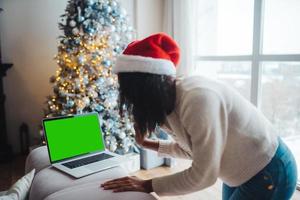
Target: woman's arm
150, 144
163, 147
172, 149
204, 116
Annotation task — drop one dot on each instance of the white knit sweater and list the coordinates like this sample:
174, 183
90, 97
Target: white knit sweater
224, 135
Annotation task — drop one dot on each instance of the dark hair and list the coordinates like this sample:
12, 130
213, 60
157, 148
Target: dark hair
149, 98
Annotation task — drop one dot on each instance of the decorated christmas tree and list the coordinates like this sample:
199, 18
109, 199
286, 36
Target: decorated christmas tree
95, 32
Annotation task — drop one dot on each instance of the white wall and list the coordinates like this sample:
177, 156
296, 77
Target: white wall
29, 34
149, 17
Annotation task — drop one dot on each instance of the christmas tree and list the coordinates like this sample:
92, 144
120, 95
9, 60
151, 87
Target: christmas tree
95, 32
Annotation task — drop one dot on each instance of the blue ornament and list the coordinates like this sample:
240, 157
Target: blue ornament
117, 49
86, 23
68, 50
109, 20
91, 30
86, 80
70, 104
97, 6
114, 4
88, 11
81, 59
115, 13
100, 82
106, 9
81, 18
102, 21
106, 63
89, 2
99, 108
77, 41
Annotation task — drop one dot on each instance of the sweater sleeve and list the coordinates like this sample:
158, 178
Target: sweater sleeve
203, 115
173, 149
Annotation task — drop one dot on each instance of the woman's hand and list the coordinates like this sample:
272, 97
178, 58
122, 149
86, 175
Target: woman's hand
128, 184
143, 141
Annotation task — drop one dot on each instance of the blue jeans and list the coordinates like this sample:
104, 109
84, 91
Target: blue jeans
277, 181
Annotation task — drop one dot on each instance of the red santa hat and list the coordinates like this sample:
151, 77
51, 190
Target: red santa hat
156, 54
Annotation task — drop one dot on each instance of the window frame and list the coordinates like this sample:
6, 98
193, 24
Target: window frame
256, 58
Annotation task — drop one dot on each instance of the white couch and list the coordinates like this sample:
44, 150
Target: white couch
51, 184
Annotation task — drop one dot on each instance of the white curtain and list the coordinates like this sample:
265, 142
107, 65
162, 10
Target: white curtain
179, 23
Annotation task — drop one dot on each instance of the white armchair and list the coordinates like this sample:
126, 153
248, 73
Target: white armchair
51, 184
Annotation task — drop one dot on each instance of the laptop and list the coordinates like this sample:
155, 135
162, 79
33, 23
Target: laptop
76, 146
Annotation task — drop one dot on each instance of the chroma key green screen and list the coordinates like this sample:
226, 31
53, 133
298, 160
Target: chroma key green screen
73, 136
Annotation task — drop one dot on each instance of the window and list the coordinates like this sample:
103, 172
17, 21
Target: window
281, 27
280, 99
254, 45
236, 74
220, 32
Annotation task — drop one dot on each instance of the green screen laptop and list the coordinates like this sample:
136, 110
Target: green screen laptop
76, 146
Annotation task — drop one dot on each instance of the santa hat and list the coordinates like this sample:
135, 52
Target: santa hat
156, 54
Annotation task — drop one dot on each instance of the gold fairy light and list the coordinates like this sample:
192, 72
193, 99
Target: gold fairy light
80, 59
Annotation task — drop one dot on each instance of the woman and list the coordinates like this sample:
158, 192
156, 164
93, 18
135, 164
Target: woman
224, 134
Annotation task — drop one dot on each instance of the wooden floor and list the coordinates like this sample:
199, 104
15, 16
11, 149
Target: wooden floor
212, 193
11, 172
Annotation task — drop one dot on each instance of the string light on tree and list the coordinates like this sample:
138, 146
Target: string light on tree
95, 32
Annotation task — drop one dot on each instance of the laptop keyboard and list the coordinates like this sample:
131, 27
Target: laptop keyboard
88, 160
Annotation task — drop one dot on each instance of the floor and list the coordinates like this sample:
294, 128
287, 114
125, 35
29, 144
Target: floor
11, 172
212, 193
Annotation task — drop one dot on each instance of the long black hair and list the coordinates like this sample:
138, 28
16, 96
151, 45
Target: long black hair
149, 98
